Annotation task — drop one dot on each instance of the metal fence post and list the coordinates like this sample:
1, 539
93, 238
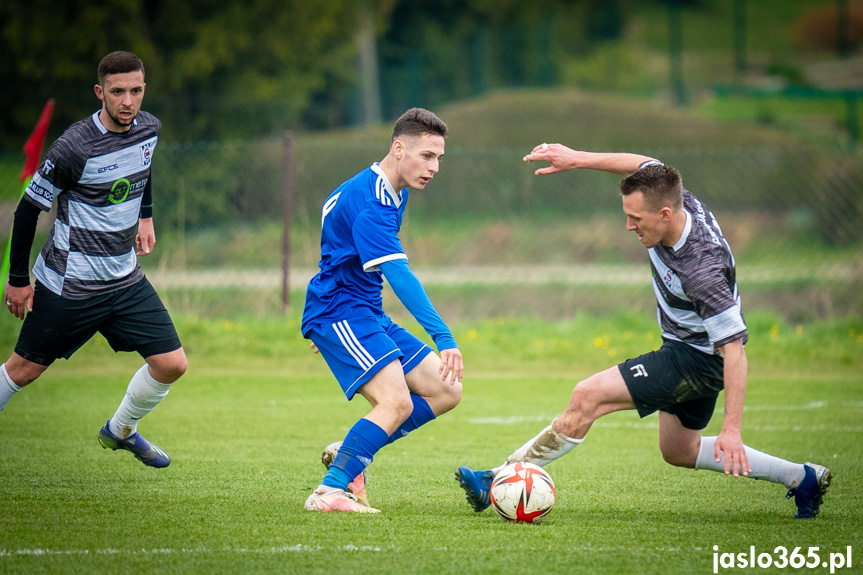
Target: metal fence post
675, 51
287, 208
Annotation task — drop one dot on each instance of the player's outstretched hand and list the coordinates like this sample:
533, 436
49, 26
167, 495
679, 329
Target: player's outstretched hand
730, 444
558, 155
451, 364
19, 300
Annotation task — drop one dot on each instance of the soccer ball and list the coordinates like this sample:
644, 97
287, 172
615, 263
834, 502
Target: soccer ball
523, 493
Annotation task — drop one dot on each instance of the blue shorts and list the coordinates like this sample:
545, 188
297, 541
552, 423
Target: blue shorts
357, 348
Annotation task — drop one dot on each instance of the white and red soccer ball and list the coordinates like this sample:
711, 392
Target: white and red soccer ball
523, 493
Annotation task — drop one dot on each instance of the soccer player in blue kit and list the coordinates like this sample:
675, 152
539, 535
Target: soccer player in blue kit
703, 332
406, 384
87, 275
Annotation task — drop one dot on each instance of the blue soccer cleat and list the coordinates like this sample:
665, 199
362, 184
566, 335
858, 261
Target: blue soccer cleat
477, 486
811, 490
146, 452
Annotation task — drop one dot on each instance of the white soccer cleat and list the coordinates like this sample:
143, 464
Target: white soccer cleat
329, 499
358, 485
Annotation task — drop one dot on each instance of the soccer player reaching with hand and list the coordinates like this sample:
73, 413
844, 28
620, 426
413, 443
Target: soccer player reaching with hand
400, 376
703, 332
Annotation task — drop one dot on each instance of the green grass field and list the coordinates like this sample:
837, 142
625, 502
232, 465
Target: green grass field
247, 423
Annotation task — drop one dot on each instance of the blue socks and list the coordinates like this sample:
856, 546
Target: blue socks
365, 439
421, 415
356, 453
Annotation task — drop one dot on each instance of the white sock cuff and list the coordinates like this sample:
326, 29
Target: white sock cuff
563, 437
156, 386
5, 375
706, 458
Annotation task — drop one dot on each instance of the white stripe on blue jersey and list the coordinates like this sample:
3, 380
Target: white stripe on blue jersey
328, 206
384, 190
375, 264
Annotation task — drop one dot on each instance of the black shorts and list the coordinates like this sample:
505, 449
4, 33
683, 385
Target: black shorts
677, 379
131, 319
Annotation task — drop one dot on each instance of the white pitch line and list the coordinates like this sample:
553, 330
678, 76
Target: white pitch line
812, 405
550, 274
652, 423
299, 548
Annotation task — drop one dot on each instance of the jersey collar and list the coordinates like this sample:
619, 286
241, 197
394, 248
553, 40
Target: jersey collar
101, 127
397, 197
686, 229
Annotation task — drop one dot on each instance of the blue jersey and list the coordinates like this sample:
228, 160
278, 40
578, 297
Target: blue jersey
360, 222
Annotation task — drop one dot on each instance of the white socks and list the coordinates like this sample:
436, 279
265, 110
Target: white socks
764, 466
543, 449
143, 394
7, 387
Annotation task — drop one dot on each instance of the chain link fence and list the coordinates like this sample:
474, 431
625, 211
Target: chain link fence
202, 185
220, 210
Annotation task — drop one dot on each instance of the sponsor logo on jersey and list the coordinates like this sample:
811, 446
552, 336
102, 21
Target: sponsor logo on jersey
110, 168
638, 370
119, 191
701, 216
47, 166
40, 191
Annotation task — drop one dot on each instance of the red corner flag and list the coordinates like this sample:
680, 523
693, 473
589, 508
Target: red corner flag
33, 150
33, 147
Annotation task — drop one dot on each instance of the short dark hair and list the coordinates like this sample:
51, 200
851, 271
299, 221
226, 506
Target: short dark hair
417, 122
661, 185
118, 63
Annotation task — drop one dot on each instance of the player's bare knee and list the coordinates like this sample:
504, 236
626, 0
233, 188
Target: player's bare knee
168, 368
23, 372
450, 396
180, 367
678, 457
400, 405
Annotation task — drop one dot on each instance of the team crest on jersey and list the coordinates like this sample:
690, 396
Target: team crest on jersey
146, 153
668, 278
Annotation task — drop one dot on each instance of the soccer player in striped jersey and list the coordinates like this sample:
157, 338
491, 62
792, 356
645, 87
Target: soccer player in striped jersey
406, 384
703, 332
87, 275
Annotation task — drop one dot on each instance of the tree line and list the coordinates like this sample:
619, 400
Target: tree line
236, 69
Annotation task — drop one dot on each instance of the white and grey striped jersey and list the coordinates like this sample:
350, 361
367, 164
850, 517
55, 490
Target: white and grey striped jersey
695, 284
97, 178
